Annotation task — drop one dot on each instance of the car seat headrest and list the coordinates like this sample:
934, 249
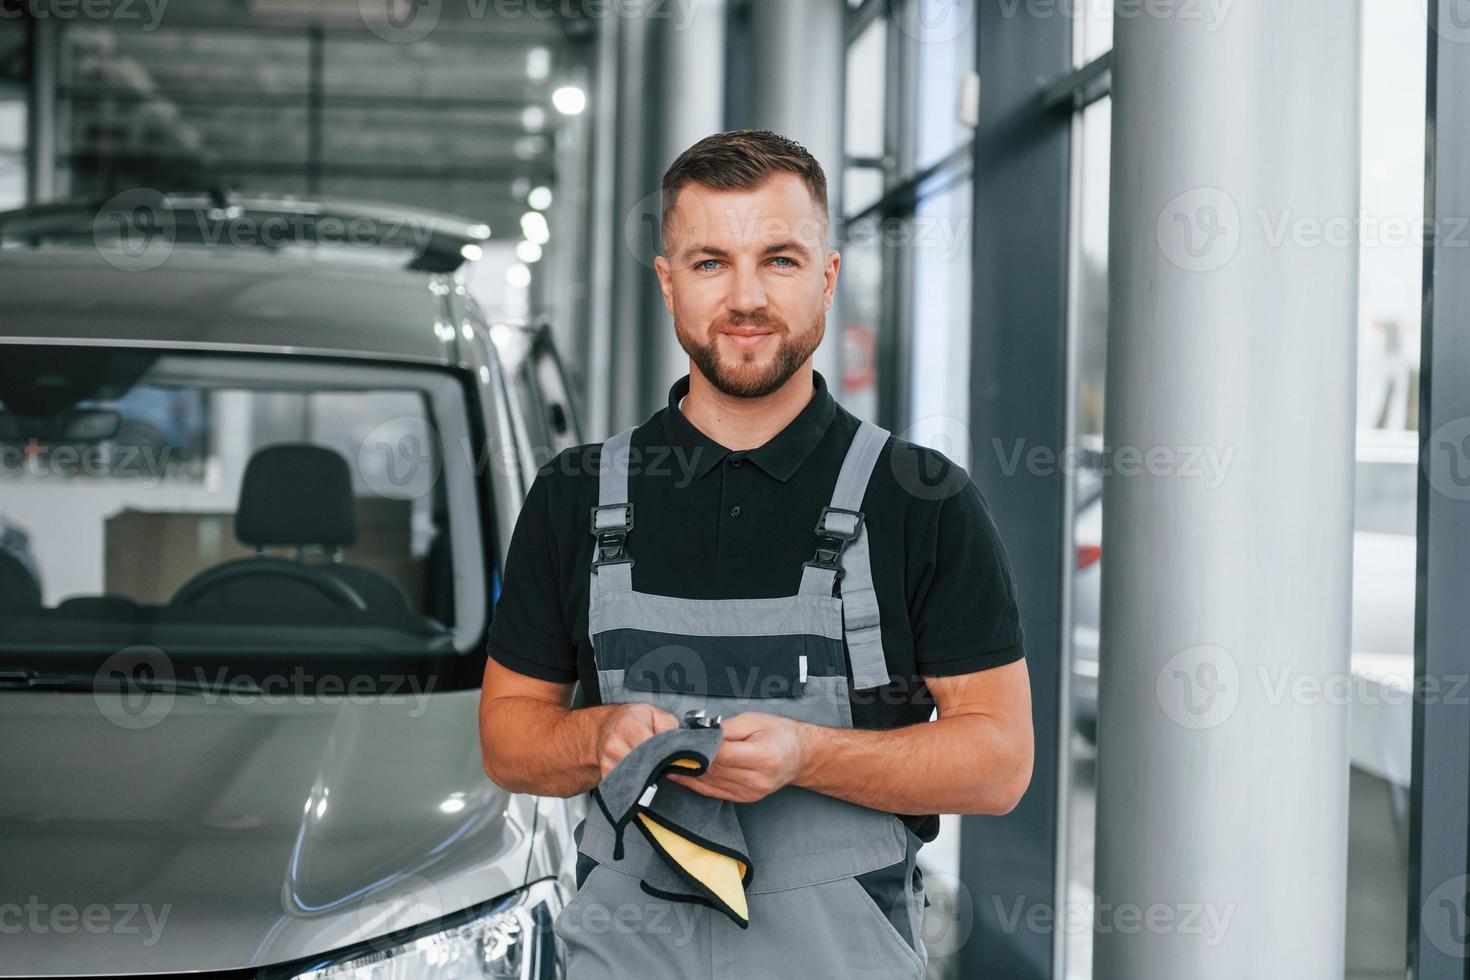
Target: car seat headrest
295, 494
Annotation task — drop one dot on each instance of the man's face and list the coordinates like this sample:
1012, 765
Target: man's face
748, 278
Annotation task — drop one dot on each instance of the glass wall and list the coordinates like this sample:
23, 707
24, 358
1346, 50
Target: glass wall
906, 242
1390, 271
906, 277
14, 74
1088, 315
1391, 234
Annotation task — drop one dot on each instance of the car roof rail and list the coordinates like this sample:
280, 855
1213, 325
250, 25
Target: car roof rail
438, 243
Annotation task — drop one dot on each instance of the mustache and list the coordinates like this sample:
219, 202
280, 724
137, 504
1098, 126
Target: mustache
764, 320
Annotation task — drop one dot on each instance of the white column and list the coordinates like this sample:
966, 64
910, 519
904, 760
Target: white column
692, 93
1222, 806
798, 56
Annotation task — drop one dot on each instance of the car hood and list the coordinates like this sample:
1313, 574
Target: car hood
238, 831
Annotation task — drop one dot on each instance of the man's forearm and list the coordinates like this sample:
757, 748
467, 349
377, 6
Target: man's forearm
540, 747
960, 764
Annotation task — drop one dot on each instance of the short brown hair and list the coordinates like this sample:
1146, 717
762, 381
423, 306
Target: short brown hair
741, 159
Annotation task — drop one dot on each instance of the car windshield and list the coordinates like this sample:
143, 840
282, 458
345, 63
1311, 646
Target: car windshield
235, 509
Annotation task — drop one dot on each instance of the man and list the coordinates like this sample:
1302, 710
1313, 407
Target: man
718, 580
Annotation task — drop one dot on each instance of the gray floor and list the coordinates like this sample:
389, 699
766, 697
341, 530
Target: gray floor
1378, 874
1378, 868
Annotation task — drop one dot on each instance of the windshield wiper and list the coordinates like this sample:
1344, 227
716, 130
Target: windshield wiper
25, 679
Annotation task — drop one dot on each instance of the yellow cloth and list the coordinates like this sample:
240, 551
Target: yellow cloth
721, 873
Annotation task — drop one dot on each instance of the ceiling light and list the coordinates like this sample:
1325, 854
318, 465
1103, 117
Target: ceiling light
569, 100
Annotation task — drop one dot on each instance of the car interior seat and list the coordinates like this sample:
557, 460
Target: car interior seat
296, 495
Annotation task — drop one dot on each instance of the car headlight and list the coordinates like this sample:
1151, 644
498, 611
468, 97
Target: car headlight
510, 938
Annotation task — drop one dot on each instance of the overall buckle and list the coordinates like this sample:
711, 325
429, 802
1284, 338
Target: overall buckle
832, 541
610, 526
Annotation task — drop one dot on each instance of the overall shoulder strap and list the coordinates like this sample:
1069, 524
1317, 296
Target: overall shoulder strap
842, 559
612, 518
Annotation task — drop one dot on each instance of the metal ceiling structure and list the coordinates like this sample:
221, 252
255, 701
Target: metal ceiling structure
305, 97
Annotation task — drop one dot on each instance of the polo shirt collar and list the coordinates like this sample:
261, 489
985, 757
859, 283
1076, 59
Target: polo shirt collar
780, 456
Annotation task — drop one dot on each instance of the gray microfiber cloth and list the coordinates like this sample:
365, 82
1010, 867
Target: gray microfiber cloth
705, 856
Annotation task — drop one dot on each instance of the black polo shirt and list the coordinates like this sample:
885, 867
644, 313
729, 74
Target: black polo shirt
714, 524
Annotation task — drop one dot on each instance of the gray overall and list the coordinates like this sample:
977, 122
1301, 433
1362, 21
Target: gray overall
834, 890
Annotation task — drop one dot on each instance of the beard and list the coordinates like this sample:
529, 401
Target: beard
744, 376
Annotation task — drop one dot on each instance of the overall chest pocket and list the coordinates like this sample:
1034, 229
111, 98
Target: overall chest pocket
741, 667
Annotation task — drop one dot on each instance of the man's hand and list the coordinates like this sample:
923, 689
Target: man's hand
625, 728
760, 753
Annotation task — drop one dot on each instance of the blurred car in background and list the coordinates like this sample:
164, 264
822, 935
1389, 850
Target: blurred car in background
240, 696
1384, 544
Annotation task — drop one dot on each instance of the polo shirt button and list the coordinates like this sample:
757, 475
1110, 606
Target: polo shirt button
736, 460
735, 511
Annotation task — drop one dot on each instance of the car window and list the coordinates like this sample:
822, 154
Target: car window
212, 504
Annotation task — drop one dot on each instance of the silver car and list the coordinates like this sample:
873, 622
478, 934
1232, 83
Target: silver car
240, 660
1385, 485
